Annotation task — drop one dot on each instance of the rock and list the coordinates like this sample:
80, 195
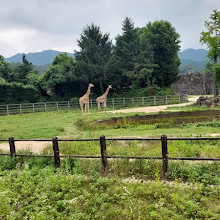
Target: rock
194, 84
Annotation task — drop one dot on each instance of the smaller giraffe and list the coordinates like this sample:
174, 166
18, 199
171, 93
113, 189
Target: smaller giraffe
102, 99
85, 99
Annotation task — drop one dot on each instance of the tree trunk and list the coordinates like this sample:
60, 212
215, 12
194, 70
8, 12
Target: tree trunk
101, 86
215, 89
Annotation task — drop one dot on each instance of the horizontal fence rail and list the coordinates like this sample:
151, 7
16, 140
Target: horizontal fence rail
12, 109
103, 147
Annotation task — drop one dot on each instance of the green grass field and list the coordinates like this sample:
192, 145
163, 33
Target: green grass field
31, 188
74, 124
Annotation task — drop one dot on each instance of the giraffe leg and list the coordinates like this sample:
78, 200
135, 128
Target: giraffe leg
87, 106
105, 105
81, 106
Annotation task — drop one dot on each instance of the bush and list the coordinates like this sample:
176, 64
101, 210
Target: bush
17, 93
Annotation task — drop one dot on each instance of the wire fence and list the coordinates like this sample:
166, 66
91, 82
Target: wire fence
113, 103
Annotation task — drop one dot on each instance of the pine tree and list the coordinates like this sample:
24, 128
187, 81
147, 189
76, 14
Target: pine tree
93, 56
134, 56
23, 70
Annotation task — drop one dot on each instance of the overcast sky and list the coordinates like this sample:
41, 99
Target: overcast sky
36, 25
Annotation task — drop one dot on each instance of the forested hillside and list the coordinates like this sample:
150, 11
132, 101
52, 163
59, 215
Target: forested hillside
193, 60
143, 61
39, 58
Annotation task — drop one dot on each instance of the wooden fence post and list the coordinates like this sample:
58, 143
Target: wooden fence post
56, 152
20, 109
155, 100
113, 104
12, 146
7, 109
164, 154
103, 153
123, 102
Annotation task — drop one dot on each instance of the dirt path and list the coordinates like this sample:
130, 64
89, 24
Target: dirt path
32, 146
36, 147
154, 108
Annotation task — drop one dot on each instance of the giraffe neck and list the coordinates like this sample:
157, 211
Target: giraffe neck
88, 91
107, 91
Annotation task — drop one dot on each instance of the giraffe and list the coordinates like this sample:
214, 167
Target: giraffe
102, 99
85, 99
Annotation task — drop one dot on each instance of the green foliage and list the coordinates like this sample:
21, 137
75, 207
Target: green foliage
21, 71
5, 69
133, 58
216, 69
17, 93
92, 57
60, 79
211, 36
164, 41
198, 172
56, 194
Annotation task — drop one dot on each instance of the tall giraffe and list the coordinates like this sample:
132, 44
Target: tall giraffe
102, 99
85, 99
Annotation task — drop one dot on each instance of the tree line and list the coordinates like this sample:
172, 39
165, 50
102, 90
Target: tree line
141, 61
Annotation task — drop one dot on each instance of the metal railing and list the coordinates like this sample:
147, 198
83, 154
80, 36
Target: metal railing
113, 103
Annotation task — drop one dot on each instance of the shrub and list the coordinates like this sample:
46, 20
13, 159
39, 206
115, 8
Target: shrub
17, 93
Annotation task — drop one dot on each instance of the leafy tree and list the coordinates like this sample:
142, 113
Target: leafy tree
60, 76
212, 38
209, 67
22, 71
5, 69
93, 56
164, 41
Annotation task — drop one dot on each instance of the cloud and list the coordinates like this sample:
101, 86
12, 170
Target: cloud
35, 25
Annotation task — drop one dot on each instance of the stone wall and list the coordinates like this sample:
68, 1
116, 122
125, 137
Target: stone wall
194, 84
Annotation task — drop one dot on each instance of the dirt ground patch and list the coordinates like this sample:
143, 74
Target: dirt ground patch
151, 109
32, 146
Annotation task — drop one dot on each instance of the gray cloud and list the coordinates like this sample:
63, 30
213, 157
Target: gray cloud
35, 25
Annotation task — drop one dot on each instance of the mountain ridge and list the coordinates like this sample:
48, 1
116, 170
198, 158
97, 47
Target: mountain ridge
198, 55
190, 56
37, 58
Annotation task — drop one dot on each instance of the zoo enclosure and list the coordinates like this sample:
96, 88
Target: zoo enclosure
103, 148
12, 109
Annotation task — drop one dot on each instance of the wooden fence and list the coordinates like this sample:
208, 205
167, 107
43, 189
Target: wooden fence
12, 109
103, 149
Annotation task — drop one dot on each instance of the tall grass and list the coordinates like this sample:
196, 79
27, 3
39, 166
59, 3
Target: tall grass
48, 193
